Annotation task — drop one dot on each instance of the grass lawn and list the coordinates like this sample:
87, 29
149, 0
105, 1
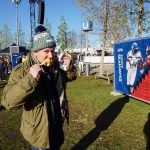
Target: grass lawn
98, 120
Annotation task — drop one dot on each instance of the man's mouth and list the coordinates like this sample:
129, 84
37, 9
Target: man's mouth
47, 62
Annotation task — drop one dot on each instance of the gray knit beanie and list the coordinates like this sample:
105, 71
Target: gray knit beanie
43, 40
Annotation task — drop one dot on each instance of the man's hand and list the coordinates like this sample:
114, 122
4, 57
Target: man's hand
66, 60
35, 70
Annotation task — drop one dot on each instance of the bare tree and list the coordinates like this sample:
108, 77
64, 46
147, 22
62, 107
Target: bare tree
98, 11
48, 26
71, 39
119, 28
21, 35
6, 37
82, 40
140, 15
102, 13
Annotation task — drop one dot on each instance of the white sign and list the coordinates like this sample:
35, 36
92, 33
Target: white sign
97, 59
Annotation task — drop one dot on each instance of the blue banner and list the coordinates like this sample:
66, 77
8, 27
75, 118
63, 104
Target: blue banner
14, 59
132, 68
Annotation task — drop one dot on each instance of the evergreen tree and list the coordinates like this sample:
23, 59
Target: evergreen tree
21, 34
62, 31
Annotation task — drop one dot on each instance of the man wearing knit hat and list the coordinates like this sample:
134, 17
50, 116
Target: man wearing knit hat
38, 84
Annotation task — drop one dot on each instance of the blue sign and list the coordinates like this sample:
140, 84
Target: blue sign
14, 58
87, 26
132, 68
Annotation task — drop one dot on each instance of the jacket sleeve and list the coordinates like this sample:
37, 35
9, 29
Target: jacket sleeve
17, 90
72, 72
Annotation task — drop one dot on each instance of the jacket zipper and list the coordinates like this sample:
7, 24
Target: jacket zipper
45, 103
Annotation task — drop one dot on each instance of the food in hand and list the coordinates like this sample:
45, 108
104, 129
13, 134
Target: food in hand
47, 62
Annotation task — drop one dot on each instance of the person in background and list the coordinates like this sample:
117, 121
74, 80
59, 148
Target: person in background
8, 65
2, 69
81, 64
38, 84
5, 66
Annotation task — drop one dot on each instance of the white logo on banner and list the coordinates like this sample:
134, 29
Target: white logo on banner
120, 50
120, 66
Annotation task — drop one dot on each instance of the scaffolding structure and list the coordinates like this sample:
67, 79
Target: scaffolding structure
41, 7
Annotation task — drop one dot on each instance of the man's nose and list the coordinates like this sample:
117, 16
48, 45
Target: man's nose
50, 54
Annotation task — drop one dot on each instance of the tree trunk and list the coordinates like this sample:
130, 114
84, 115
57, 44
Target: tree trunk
140, 18
104, 37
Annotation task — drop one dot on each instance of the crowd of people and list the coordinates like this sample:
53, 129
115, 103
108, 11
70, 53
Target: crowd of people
5, 67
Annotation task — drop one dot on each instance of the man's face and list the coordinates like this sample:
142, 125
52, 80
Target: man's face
44, 54
135, 51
